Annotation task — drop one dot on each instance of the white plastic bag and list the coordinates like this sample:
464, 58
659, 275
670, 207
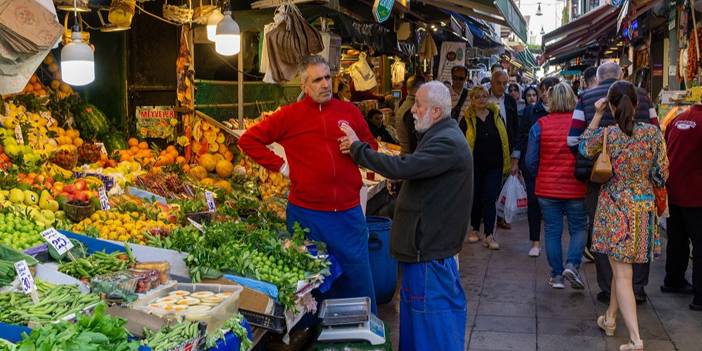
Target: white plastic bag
512, 202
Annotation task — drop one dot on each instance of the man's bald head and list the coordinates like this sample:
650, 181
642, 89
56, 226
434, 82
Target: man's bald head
609, 70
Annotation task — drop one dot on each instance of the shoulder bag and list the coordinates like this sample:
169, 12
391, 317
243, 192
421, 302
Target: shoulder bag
602, 169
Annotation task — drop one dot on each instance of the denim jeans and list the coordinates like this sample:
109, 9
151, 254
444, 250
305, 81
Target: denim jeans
533, 209
553, 211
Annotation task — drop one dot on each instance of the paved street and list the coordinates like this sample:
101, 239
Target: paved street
512, 308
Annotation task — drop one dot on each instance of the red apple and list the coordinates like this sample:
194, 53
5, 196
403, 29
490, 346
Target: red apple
80, 185
70, 188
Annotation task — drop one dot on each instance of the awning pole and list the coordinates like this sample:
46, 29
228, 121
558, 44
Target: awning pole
240, 83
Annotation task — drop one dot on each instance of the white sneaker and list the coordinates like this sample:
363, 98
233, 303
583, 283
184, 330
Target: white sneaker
534, 251
473, 237
491, 243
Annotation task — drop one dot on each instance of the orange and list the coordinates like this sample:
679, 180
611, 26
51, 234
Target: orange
134, 149
180, 160
144, 145
133, 142
186, 168
171, 148
222, 149
77, 141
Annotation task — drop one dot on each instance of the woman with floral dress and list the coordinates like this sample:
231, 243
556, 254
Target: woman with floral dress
626, 224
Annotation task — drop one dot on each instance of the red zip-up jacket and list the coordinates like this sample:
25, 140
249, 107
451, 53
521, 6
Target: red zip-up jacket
321, 177
684, 139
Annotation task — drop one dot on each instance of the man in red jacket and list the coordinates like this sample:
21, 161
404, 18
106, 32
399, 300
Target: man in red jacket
684, 139
324, 184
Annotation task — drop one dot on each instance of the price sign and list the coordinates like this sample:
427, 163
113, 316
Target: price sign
58, 241
103, 150
210, 201
197, 225
18, 135
104, 202
50, 121
25, 276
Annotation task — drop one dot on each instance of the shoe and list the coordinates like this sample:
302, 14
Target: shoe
686, 289
609, 327
534, 251
603, 296
589, 257
640, 298
473, 237
695, 307
556, 282
490, 243
502, 224
632, 346
573, 276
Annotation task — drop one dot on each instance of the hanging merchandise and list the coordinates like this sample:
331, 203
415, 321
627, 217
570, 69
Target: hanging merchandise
453, 53
289, 42
202, 13
362, 74
427, 48
178, 14
332, 51
277, 71
121, 12
398, 71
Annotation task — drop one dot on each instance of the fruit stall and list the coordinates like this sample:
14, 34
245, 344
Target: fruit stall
135, 244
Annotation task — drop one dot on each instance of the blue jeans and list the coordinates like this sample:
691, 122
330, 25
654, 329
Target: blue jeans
553, 211
533, 209
487, 184
433, 308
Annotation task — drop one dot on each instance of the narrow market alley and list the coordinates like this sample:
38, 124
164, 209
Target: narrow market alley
512, 308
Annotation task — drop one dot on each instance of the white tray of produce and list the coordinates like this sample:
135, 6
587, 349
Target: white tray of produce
212, 304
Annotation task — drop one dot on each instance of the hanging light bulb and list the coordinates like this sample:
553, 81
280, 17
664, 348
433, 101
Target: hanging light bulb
77, 60
212, 22
542, 30
227, 38
538, 10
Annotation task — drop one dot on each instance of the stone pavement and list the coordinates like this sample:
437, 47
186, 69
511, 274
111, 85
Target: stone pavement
512, 308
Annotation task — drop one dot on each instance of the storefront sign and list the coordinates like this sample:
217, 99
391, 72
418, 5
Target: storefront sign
382, 10
155, 121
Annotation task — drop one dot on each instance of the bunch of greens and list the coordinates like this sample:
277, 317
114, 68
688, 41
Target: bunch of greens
233, 325
98, 331
170, 337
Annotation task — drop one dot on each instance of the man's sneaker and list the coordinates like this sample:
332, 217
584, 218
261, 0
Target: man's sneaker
502, 224
490, 243
588, 255
534, 251
473, 237
556, 282
571, 273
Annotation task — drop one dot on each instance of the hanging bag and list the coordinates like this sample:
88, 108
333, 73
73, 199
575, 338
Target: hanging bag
602, 169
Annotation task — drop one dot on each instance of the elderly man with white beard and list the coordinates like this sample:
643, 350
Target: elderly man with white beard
431, 217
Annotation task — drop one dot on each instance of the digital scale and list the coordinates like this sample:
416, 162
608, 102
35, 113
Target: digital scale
350, 319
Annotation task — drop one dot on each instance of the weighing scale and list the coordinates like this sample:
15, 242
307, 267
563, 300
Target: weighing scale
350, 319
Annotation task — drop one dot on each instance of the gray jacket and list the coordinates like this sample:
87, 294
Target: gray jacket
433, 208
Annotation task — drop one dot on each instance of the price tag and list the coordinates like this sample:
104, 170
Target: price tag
103, 150
197, 225
50, 121
104, 202
58, 241
18, 135
26, 279
210, 201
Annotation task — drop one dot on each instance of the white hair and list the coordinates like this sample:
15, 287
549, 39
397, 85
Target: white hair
439, 96
609, 70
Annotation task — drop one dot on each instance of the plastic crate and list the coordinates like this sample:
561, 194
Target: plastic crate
274, 322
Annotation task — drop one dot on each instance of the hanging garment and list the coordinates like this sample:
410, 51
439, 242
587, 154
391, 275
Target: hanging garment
398, 72
427, 49
362, 74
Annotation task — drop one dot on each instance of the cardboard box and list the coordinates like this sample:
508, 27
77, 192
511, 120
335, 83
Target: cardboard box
250, 299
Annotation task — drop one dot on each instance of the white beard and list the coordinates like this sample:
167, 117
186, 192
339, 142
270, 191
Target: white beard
423, 123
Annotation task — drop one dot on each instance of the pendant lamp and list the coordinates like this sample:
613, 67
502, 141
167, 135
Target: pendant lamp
227, 38
77, 60
538, 10
212, 22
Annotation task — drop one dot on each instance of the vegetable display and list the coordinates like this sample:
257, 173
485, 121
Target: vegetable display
55, 302
97, 331
96, 264
233, 325
169, 337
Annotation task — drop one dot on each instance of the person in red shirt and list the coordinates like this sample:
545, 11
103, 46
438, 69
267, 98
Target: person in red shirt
684, 139
324, 184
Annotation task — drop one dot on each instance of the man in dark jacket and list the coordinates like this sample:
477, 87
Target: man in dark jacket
431, 219
607, 74
404, 121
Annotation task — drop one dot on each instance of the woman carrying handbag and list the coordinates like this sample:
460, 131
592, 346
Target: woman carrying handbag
626, 222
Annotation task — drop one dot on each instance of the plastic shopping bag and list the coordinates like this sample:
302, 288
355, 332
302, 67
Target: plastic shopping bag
512, 202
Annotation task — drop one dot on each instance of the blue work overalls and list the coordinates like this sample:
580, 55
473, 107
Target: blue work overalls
433, 307
346, 236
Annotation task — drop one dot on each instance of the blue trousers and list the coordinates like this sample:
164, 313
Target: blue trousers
554, 210
533, 209
433, 308
346, 236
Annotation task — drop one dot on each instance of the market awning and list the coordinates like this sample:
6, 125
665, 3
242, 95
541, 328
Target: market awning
482, 35
526, 58
581, 32
502, 12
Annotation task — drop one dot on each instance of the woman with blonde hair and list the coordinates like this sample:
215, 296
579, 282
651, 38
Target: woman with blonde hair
626, 222
552, 164
487, 137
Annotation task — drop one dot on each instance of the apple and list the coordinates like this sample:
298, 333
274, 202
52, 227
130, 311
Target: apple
70, 188
80, 185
